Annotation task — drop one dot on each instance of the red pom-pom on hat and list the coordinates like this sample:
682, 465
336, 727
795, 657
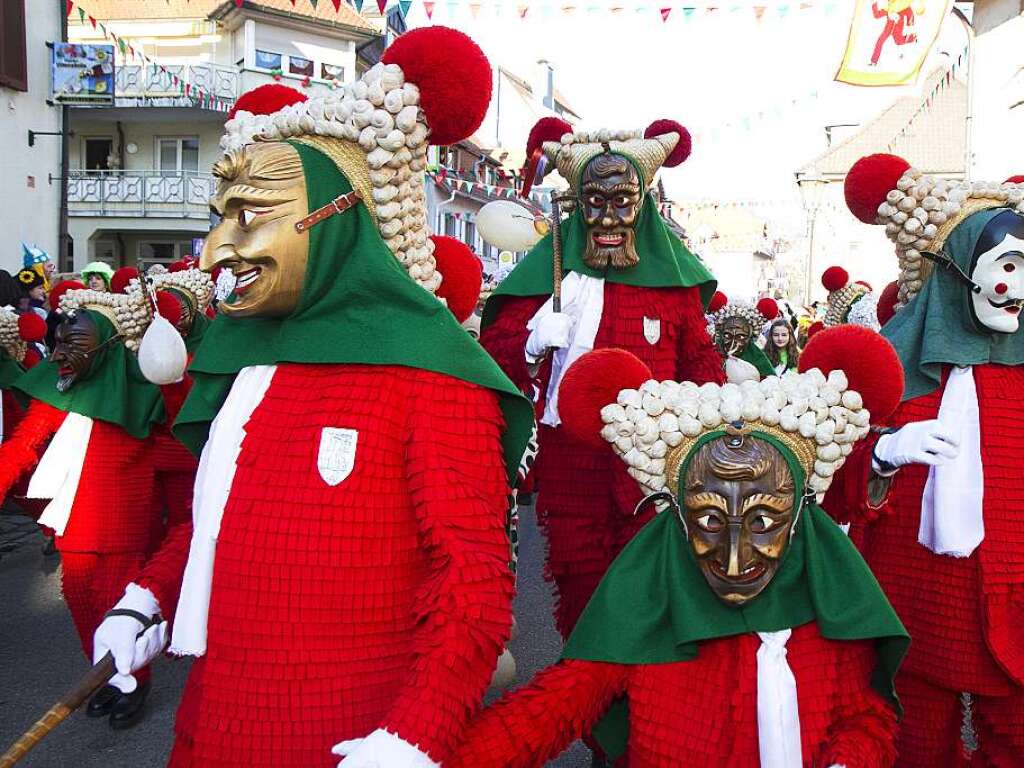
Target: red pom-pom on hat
179, 266
593, 382
887, 302
835, 279
768, 307
123, 276
683, 147
546, 129
868, 183
31, 359
815, 328
266, 99
869, 361
462, 275
1015, 180
453, 77
59, 290
718, 301
31, 327
169, 307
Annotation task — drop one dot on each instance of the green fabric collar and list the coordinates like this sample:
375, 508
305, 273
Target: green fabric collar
938, 327
115, 390
653, 606
10, 370
358, 305
664, 262
754, 355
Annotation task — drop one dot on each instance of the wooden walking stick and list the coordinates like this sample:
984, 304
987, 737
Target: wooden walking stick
91, 682
556, 250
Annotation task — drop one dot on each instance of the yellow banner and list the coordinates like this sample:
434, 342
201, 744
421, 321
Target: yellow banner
890, 39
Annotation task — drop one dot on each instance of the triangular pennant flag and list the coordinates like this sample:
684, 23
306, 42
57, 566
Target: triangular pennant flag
238, 3
81, 17
429, 8
687, 12
313, 3
93, 22
70, 5
403, 7
381, 5
337, 5
665, 13
759, 12
121, 45
359, 5
522, 10
783, 11
474, 9
453, 8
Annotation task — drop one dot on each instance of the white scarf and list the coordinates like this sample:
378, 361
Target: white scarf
583, 300
59, 471
214, 478
778, 712
952, 521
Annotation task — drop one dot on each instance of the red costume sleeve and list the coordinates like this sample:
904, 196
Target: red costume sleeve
699, 359
505, 339
163, 571
532, 725
848, 499
22, 450
863, 733
174, 397
459, 493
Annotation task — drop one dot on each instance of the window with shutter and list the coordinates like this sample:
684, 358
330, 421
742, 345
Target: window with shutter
13, 65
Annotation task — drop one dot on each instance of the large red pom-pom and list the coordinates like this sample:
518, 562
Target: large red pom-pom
179, 266
31, 327
266, 99
462, 275
768, 307
1015, 180
31, 359
169, 307
546, 129
59, 290
718, 301
835, 279
814, 329
869, 361
868, 183
887, 302
593, 382
123, 276
453, 75
683, 147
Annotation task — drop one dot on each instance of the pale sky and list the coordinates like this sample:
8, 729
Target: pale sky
625, 69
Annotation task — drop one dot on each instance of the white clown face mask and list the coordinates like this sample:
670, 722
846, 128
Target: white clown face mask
999, 273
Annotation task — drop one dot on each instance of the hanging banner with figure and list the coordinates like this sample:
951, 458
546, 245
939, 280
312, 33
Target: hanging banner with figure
83, 74
890, 39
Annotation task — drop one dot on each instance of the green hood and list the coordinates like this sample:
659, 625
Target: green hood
114, 391
653, 606
938, 327
10, 370
358, 305
754, 355
664, 262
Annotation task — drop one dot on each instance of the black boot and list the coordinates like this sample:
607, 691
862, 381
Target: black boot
49, 547
128, 709
103, 701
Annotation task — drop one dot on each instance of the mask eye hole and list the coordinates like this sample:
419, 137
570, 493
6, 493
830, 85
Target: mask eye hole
709, 523
596, 201
1009, 267
246, 217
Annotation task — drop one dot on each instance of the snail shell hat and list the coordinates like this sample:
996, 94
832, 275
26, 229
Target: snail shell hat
848, 302
190, 283
17, 331
818, 413
919, 212
432, 86
720, 309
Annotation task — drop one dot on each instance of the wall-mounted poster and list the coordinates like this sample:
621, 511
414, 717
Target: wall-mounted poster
83, 74
889, 40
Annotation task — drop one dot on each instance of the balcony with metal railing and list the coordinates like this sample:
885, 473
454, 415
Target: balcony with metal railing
150, 85
135, 193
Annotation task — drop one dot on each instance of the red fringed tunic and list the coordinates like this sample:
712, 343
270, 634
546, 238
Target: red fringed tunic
585, 497
700, 713
382, 601
965, 615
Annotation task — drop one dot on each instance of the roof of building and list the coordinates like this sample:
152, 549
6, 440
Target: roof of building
345, 16
527, 90
935, 141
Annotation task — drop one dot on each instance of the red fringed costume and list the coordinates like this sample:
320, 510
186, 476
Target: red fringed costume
588, 523
694, 713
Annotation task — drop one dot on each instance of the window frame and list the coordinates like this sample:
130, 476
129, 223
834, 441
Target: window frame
178, 170
13, 27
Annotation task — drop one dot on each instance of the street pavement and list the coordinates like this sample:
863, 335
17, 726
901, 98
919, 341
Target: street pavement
40, 657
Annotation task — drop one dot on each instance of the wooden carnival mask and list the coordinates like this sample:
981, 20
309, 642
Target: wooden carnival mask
738, 509
76, 343
734, 335
610, 199
261, 197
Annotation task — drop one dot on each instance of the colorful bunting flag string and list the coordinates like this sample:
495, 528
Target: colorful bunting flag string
926, 103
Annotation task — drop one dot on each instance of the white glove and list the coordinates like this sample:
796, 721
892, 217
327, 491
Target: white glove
737, 371
120, 635
381, 749
920, 442
551, 331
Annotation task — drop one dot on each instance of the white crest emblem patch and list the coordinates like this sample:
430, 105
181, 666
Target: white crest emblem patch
337, 454
652, 330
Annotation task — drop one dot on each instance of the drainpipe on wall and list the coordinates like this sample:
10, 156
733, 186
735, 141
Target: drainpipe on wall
63, 242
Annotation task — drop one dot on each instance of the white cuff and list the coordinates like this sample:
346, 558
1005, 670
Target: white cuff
381, 749
139, 599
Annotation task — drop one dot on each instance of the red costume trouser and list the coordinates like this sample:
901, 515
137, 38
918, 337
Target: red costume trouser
92, 583
930, 731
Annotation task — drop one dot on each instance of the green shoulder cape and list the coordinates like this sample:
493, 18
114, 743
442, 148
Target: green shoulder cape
653, 606
938, 327
358, 305
665, 262
754, 355
114, 391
